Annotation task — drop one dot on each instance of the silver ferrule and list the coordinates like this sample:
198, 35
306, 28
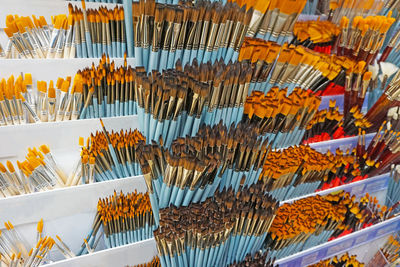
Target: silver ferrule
77, 106
255, 22
235, 34
52, 109
31, 112
175, 36
212, 37
63, 104
203, 36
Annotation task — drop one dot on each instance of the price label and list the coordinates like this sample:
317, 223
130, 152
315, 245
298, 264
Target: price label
309, 259
340, 247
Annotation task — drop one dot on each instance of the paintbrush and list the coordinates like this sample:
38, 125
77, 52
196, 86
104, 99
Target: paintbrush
342, 261
124, 219
226, 241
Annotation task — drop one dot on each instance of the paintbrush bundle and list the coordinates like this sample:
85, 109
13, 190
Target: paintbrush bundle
35, 39
387, 254
21, 104
363, 38
281, 118
98, 31
218, 232
206, 31
274, 20
39, 172
295, 66
329, 124
107, 91
351, 9
108, 156
257, 260
317, 35
155, 262
17, 252
342, 261
124, 219
300, 170
177, 102
195, 167
311, 221
134, 224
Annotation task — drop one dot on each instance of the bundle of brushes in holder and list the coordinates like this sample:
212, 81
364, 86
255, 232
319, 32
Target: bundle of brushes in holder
362, 38
177, 102
318, 35
82, 34
294, 66
312, 221
108, 90
109, 156
207, 31
17, 252
273, 20
328, 124
257, 260
280, 118
194, 168
98, 31
39, 172
300, 170
388, 253
122, 219
218, 232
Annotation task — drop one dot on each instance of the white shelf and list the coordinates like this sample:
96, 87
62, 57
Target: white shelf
61, 137
67, 212
128, 255
375, 186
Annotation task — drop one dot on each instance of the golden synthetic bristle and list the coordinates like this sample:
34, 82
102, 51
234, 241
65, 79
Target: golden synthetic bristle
367, 76
10, 166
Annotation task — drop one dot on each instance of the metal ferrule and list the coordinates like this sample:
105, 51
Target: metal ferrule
60, 44
35, 42
262, 29
136, 37
76, 106
281, 20
168, 36
203, 37
227, 32
82, 32
53, 40
157, 33
20, 110
254, 23
18, 39
276, 72
191, 36
273, 17
29, 44
303, 72
63, 105
235, 34
241, 38
6, 113
196, 40
218, 38
145, 32
13, 110
182, 35
175, 36
212, 37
